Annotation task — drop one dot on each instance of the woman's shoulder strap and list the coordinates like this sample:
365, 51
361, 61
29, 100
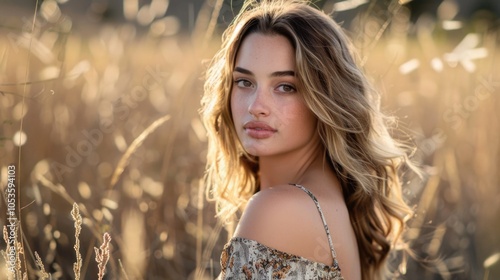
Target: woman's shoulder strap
330, 242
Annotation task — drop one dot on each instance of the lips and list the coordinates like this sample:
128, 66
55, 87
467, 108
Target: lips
259, 130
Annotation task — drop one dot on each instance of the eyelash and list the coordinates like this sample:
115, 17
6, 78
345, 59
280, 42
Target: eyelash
237, 81
292, 87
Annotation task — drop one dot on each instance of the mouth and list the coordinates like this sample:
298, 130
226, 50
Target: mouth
259, 130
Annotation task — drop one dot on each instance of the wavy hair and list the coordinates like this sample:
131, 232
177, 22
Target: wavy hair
352, 128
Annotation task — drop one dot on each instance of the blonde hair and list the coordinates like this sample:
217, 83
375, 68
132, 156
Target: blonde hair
353, 130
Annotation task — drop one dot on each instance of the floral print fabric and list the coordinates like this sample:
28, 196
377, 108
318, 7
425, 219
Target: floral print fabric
248, 259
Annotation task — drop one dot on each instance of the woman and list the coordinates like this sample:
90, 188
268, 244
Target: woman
297, 141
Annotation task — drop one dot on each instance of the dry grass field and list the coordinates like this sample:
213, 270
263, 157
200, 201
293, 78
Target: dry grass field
100, 133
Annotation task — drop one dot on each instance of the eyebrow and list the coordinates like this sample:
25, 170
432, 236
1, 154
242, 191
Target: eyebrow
274, 74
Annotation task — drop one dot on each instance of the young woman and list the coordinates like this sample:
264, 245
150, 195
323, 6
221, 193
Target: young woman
297, 141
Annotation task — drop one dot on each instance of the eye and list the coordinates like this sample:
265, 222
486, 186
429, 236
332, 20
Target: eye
286, 88
242, 83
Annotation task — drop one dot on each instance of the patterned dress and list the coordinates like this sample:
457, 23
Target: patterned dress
248, 259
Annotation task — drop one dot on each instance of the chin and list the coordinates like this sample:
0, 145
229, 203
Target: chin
256, 150
253, 152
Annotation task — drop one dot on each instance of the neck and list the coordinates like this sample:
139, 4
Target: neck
290, 167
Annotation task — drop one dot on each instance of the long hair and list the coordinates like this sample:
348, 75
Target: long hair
353, 131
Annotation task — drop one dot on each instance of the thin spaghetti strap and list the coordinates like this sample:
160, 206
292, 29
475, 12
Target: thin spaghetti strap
330, 242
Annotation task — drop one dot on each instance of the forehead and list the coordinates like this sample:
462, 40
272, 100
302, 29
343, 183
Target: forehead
262, 51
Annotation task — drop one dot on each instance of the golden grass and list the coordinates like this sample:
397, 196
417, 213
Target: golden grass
77, 266
39, 263
102, 255
133, 147
94, 111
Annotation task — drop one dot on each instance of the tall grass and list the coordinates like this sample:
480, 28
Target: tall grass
94, 110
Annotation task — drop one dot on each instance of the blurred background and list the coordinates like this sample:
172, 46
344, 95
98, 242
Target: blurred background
99, 107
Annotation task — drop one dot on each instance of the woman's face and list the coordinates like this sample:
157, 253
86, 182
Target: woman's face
269, 114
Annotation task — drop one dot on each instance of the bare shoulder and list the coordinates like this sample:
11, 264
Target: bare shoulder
269, 207
285, 218
267, 211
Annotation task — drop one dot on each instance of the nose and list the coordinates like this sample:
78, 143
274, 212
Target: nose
259, 103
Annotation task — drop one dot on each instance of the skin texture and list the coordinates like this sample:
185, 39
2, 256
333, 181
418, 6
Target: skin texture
274, 124
265, 91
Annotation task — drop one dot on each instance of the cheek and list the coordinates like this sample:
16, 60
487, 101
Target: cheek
234, 106
302, 117
238, 104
